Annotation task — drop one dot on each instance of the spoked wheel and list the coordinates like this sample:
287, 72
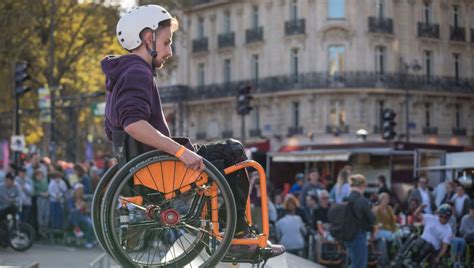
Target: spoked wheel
96, 205
158, 213
22, 238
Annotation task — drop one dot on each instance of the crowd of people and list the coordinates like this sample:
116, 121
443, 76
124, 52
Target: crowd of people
52, 196
301, 213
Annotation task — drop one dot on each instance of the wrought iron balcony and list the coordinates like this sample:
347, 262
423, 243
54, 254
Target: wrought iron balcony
459, 131
255, 132
226, 40
295, 131
457, 34
294, 27
226, 134
380, 25
201, 135
200, 45
254, 35
176, 93
430, 130
336, 130
428, 30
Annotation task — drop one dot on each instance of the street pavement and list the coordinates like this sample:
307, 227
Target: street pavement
52, 256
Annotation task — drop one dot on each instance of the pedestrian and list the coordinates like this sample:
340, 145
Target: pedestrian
56, 190
341, 189
83, 178
382, 184
25, 185
40, 186
290, 229
364, 221
312, 186
133, 108
79, 216
461, 202
424, 195
298, 185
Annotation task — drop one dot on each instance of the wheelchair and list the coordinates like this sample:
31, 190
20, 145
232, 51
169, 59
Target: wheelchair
152, 211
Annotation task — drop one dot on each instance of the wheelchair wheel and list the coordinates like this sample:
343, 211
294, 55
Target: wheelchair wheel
172, 214
96, 207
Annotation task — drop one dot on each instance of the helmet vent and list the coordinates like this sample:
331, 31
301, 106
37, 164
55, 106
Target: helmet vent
120, 33
122, 39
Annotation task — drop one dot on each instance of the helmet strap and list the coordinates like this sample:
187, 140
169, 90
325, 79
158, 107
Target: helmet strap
152, 50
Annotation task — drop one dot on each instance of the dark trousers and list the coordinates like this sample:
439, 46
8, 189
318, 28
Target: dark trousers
223, 155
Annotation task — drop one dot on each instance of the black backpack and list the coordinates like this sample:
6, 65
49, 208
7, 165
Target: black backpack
343, 224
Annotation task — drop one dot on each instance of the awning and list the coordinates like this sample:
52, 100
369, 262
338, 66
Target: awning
311, 156
453, 167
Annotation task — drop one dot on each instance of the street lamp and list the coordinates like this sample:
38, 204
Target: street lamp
415, 67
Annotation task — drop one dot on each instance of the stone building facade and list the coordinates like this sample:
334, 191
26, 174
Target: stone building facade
323, 69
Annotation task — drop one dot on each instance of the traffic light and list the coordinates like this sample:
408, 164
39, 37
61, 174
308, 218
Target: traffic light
21, 75
388, 124
243, 100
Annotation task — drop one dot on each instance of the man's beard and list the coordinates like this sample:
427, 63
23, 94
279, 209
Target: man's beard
158, 63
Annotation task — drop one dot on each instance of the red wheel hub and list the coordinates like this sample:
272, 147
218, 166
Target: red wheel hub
170, 217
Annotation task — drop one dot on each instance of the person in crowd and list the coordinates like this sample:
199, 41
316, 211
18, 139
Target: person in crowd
279, 203
413, 204
341, 189
312, 186
461, 202
84, 179
382, 185
25, 185
436, 234
424, 195
466, 230
386, 221
35, 163
94, 174
321, 212
298, 185
312, 203
40, 187
9, 195
56, 191
364, 220
448, 193
290, 229
439, 193
79, 215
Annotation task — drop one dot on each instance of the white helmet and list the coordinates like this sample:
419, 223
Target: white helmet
131, 24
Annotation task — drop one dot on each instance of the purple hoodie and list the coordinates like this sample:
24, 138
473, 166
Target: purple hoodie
132, 94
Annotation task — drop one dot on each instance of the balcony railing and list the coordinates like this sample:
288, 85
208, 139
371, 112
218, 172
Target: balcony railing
322, 80
457, 34
295, 131
226, 40
430, 130
336, 130
380, 25
296, 26
200, 45
428, 30
226, 134
459, 131
255, 132
254, 35
201, 135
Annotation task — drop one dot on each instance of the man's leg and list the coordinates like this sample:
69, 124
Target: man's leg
223, 155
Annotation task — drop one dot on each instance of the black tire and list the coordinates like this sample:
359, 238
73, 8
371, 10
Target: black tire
22, 238
109, 216
96, 206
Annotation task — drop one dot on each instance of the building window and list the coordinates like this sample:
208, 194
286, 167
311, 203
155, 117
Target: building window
428, 115
427, 12
336, 61
255, 67
294, 10
380, 60
200, 75
457, 65
336, 9
226, 23
200, 28
456, 16
380, 9
296, 114
294, 63
227, 71
337, 114
459, 116
255, 17
428, 64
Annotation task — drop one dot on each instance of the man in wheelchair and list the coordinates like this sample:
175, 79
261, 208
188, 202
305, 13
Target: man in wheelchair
434, 241
134, 110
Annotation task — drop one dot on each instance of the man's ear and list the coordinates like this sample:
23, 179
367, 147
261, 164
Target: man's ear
147, 38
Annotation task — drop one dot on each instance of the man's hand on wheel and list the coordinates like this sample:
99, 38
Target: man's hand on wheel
192, 160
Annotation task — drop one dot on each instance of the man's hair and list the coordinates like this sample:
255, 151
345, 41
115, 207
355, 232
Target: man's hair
172, 23
10, 176
382, 178
313, 197
357, 180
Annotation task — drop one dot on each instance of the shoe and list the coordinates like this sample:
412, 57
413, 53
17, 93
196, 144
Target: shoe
78, 233
252, 252
88, 245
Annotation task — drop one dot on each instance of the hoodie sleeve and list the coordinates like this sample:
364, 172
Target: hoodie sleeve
133, 98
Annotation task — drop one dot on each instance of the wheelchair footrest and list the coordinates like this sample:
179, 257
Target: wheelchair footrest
259, 256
